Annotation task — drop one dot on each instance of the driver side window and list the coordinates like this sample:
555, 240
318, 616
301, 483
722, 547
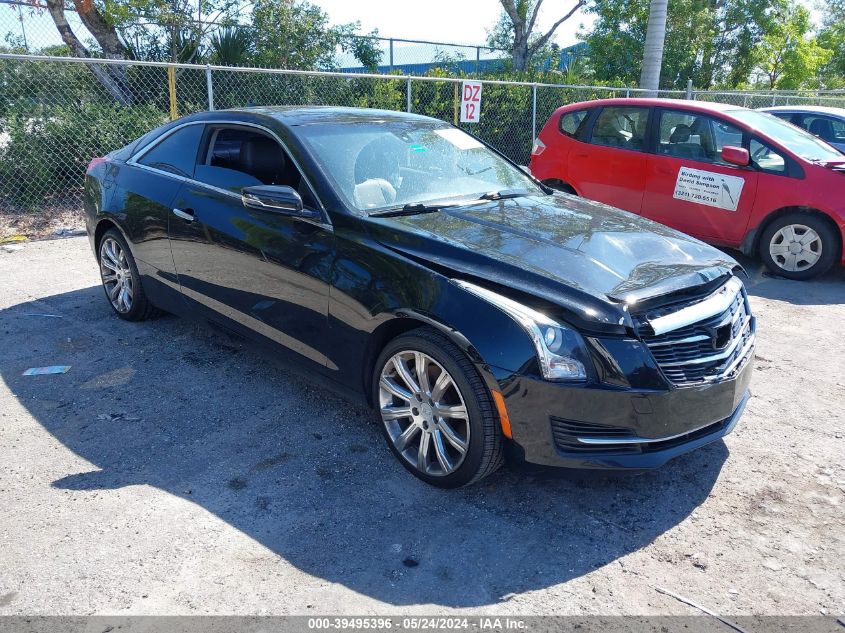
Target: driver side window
236, 157
696, 136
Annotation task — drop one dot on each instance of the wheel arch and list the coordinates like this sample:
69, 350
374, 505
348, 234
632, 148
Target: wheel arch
404, 321
104, 225
751, 243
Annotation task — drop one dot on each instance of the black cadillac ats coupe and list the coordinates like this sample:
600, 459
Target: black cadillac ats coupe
402, 261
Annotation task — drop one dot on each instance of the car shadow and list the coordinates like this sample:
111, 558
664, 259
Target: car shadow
174, 405
826, 290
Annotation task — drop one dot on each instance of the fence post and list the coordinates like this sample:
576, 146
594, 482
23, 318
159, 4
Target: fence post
391, 54
774, 97
628, 93
171, 90
477, 62
533, 112
209, 87
689, 89
457, 106
408, 95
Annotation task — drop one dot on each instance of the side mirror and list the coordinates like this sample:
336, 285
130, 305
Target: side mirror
275, 199
736, 156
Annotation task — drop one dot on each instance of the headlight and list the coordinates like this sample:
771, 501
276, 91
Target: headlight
560, 349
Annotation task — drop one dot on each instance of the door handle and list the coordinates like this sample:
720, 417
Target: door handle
187, 214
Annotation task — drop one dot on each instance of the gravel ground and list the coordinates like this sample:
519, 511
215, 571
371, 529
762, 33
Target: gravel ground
48, 222
173, 471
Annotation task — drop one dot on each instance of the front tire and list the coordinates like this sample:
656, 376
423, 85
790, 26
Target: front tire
436, 413
799, 246
120, 279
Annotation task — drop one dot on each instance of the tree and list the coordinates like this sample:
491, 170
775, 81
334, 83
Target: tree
515, 30
709, 41
231, 46
789, 56
655, 35
170, 30
137, 29
832, 37
112, 78
296, 34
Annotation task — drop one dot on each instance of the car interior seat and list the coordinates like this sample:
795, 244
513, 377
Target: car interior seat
264, 159
680, 145
637, 135
701, 127
376, 165
607, 132
822, 128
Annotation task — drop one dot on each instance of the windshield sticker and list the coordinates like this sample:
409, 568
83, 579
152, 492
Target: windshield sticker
459, 139
708, 187
416, 147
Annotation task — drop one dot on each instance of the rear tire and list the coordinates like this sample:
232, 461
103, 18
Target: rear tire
451, 407
799, 246
120, 279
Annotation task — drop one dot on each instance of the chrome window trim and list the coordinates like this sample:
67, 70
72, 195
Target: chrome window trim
133, 161
715, 304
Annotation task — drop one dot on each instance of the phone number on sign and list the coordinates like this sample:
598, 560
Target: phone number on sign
378, 624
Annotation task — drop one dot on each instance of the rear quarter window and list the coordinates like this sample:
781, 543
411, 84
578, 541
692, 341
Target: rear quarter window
571, 121
177, 152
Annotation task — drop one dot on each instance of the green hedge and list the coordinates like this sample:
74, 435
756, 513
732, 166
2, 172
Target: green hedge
55, 117
46, 153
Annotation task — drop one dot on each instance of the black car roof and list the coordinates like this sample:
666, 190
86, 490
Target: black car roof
305, 115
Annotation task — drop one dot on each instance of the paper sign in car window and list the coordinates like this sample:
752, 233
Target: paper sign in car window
708, 187
459, 139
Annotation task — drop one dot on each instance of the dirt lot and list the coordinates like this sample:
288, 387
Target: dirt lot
51, 221
172, 471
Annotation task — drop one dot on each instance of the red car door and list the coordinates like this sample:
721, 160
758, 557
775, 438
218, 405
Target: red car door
611, 166
688, 185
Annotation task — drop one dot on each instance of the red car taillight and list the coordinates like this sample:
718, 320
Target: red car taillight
539, 147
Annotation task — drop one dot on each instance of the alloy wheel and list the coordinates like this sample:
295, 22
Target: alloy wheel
795, 247
116, 274
424, 413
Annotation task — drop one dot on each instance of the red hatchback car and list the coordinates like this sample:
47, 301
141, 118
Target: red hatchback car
725, 174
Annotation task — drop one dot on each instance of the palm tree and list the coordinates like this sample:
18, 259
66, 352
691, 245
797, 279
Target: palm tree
653, 53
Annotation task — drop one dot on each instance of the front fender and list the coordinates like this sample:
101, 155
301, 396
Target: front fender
496, 344
377, 294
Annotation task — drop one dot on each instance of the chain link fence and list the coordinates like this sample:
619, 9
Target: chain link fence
58, 113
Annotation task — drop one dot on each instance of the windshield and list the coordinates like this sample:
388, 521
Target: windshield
379, 165
791, 137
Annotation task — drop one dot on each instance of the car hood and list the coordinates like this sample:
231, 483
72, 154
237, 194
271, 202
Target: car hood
590, 258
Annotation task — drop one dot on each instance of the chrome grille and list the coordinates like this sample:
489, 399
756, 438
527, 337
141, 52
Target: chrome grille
711, 349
